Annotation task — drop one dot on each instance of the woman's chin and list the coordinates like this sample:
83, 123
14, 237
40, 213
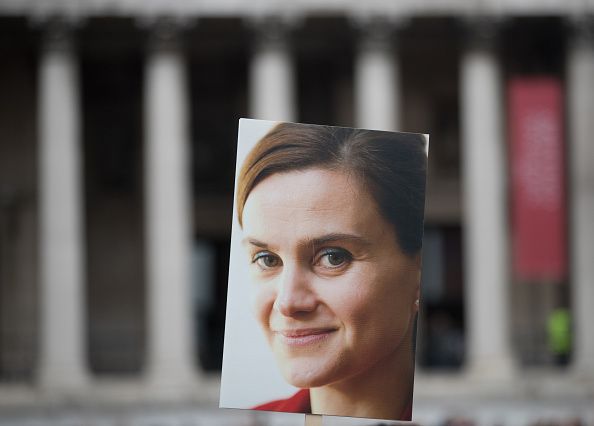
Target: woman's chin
304, 377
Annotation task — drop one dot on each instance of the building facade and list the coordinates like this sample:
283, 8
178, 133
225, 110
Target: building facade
118, 123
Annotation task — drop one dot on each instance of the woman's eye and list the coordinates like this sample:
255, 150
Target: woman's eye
266, 260
334, 258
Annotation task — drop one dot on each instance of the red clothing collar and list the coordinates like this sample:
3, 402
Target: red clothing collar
300, 403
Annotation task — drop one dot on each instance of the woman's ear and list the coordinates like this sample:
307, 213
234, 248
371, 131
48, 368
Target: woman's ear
417, 301
418, 264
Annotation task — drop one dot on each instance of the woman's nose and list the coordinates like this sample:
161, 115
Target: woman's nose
294, 293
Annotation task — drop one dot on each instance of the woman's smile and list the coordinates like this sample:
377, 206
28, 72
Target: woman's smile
304, 336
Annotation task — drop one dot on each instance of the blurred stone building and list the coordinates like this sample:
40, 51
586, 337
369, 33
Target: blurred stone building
118, 123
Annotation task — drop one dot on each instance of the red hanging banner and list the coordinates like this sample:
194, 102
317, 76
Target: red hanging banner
535, 120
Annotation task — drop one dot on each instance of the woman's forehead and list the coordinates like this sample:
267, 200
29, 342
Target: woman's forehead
313, 184
310, 190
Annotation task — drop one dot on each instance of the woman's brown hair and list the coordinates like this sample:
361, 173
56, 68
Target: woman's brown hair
391, 165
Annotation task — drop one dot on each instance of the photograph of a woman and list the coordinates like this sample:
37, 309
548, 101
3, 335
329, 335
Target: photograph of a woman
330, 229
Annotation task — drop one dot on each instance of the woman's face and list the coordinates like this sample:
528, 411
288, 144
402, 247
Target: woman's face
335, 295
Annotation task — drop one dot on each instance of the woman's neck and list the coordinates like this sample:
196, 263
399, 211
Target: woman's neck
382, 392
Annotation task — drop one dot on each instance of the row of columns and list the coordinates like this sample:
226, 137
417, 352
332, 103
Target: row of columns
272, 80
170, 371
272, 85
485, 220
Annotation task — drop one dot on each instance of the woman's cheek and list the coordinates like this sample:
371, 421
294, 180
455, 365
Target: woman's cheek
352, 302
263, 303
355, 291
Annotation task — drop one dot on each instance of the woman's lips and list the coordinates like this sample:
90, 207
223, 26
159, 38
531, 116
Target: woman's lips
304, 336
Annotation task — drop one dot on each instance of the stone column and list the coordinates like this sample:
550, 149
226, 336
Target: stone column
377, 86
580, 93
167, 205
62, 363
271, 79
485, 209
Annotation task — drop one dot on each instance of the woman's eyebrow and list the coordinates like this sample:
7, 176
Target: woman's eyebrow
254, 242
330, 238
